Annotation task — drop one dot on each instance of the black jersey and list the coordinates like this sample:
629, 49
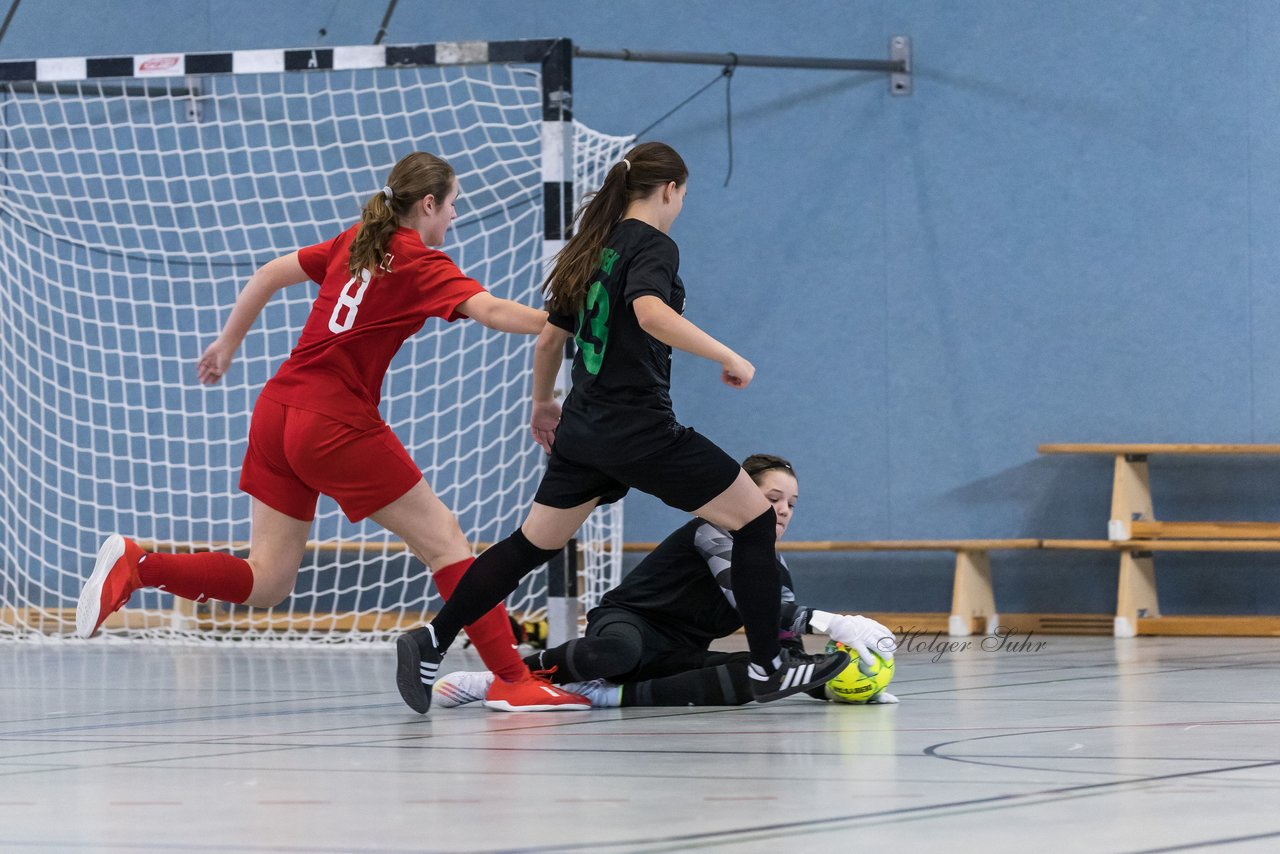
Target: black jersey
683, 587
620, 406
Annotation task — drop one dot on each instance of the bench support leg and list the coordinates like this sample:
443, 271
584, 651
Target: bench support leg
1131, 501
1137, 594
971, 594
1130, 496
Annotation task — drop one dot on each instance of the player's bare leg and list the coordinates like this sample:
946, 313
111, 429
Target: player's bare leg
277, 544
426, 525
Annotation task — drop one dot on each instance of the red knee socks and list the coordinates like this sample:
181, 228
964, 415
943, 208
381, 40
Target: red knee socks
199, 576
214, 575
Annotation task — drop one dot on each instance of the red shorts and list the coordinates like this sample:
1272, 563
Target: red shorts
294, 455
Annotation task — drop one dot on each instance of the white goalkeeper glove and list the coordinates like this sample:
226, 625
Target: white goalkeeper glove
884, 698
861, 633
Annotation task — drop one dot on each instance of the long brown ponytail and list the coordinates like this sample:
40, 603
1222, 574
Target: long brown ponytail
647, 166
416, 176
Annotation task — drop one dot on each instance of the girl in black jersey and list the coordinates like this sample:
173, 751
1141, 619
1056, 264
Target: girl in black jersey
615, 288
647, 643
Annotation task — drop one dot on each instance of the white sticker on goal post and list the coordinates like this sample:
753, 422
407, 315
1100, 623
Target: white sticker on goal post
550, 249
62, 68
461, 53
557, 142
257, 61
157, 65
360, 56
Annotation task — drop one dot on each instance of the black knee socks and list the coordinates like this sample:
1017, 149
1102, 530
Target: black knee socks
488, 581
757, 587
724, 685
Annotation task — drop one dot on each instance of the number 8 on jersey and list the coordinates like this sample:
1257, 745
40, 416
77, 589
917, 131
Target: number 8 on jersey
338, 323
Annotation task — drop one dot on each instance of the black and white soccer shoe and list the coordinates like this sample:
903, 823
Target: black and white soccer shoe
417, 665
798, 671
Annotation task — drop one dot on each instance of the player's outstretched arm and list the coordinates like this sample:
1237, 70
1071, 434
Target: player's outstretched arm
664, 323
503, 315
262, 285
548, 353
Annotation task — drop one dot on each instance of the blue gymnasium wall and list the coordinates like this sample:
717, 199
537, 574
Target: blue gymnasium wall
1068, 232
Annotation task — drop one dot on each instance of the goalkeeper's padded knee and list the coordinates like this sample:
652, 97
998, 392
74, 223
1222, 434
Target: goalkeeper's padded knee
614, 656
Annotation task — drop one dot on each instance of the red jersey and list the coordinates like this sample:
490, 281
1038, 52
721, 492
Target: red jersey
357, 324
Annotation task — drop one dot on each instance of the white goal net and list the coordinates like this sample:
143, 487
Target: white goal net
131, 213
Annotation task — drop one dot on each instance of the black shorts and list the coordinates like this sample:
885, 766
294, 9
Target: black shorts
686, 474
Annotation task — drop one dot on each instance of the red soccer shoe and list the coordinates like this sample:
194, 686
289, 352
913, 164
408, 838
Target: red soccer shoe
533, 693
114, 578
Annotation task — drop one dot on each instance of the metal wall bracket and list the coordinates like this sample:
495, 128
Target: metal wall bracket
900, 51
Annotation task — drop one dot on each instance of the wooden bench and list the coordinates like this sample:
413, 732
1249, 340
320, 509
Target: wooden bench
973, 606
1138, 606
972, 597
1134, 532
1132, 510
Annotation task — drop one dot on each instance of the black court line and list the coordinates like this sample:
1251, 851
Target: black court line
791, 708
76, 845
86, 728
1121, 726
1210, 843
920, 689
825, 824
267, 746
248, 749
1073, 678
593, 776
289, 849
520, 725
934, 749
790, 828
924, 812
431, 744
302, 696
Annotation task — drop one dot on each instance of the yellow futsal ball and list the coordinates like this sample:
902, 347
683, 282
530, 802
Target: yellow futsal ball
861, 680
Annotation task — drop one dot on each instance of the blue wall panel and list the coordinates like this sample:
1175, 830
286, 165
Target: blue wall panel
1068, 232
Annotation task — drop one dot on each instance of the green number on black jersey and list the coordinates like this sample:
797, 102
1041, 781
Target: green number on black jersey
593, 327
607, 259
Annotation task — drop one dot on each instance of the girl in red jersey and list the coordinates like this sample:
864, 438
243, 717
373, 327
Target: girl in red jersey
316, 426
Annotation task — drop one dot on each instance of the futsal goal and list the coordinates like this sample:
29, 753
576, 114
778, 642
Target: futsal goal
138, 194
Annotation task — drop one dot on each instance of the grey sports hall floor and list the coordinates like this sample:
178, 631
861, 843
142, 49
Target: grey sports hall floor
1088, 744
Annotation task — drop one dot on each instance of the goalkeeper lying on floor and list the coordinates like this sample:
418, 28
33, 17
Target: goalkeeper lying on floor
647, 643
